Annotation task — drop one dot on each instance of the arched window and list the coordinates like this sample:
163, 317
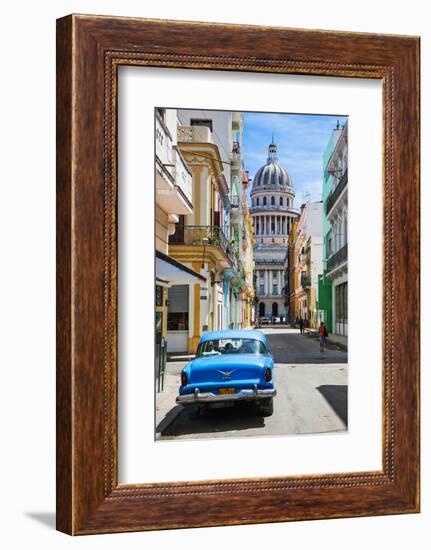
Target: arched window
264, 201
272, 201
257, 201
281, 201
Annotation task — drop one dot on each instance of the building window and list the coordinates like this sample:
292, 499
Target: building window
341, 311
202, 122
281, 201
264, 201
257, 201
272, 201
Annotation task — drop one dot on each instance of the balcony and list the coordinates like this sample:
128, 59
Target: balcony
335, 195
337, 259
306, 281
235, 201
163, 142
206, 237
174, 188
183, 176
194, 134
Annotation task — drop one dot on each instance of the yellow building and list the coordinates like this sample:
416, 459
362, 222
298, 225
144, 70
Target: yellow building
199, 240
305, 263
247, 260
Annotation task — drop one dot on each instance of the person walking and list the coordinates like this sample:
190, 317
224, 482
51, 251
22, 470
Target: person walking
301, 325
323, 334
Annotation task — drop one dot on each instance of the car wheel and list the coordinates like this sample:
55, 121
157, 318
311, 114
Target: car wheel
267, 406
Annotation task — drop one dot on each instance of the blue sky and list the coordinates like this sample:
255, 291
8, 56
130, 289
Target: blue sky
301, 142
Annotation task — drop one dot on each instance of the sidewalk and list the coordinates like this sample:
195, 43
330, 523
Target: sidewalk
337, 339
166, 408
175, 356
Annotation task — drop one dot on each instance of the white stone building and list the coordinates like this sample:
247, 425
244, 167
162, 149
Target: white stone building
272, 210
336, 210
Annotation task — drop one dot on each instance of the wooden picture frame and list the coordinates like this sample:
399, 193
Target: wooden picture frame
89, 51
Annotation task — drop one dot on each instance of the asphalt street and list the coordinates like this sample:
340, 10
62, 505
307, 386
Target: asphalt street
311, 396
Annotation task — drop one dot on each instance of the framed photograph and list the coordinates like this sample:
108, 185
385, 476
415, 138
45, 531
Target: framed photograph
237, 274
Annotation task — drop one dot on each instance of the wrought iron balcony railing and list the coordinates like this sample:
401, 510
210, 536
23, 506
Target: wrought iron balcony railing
334, 196
305, 281
205, 235
337, 259
234, 201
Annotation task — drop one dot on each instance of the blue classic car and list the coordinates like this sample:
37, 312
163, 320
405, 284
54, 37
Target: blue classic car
230, 366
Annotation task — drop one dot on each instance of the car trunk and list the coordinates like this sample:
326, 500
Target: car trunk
228, 368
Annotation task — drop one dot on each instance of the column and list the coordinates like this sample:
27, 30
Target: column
279, 282
266, 281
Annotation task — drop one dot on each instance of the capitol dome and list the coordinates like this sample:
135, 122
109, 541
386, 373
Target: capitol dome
272, 175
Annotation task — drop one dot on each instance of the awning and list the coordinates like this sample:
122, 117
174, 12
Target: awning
170, 271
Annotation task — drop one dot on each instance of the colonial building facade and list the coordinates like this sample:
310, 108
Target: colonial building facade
305, 264
272, 210
336, 239
209, 240
174, 199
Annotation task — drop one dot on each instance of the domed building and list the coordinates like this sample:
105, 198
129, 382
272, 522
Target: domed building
272, 210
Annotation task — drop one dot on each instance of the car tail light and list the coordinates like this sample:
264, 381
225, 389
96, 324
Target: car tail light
184, 379
268, 374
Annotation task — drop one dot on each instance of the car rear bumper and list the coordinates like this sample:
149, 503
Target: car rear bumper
209, 397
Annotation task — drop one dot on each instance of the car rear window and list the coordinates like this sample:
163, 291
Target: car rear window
231, 346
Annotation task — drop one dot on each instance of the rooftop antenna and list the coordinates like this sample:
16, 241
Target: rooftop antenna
338, 125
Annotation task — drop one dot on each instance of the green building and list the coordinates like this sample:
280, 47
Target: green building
325, 284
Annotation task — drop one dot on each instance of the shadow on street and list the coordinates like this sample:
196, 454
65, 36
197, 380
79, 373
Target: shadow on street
190, 422
336, 396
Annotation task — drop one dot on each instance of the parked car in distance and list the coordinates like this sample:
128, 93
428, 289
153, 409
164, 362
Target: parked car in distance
264, 320
230, 366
